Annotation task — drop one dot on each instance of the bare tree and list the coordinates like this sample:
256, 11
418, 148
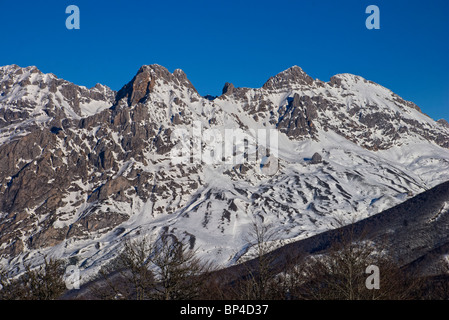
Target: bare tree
259, 282
42, 283
4, 283
340, 273
436, 286
128, 276
165, 270
179, 273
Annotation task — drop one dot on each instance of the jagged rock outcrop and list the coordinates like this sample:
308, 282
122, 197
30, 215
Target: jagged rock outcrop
145, 80
443, 122
316, 158
228, 88
288, 78
297, 120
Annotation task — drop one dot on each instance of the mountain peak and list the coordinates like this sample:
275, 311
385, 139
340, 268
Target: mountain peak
348, 77
288, 78
154, 69
147, 79
160, 72
444, 123
228, 88
13, 71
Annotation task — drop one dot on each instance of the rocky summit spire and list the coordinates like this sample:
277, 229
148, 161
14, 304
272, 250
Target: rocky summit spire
145, 81
288, 78
228, 88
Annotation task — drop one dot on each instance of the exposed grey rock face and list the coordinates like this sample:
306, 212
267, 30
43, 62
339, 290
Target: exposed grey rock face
27, 91
316, 158
292, 76
145, 80
297, 119
228, 88
443, 122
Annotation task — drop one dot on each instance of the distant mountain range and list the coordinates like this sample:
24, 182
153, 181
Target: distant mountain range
81, 169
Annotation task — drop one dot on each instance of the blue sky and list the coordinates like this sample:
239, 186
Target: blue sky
243, 42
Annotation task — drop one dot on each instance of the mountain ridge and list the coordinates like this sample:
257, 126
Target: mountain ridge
82, 169
291, 74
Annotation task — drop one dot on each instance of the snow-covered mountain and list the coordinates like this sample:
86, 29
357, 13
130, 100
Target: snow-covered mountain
80, 169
